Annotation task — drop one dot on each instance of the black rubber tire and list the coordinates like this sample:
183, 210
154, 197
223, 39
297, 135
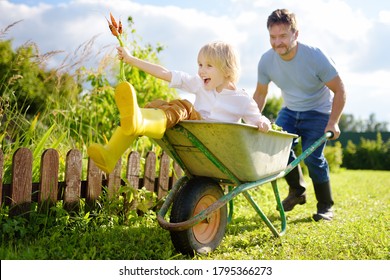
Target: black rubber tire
196, 195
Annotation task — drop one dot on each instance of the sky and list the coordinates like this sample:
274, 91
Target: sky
354, 33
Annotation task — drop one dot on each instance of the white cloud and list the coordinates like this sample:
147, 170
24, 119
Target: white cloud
335, 18
27, 12
368, 94
384, 17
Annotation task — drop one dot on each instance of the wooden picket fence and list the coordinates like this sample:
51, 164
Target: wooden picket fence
22, 191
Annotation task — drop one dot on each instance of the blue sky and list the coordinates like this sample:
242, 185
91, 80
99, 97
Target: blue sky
355, 33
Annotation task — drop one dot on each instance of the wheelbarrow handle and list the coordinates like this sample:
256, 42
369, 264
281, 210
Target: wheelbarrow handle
307, 152
329, 134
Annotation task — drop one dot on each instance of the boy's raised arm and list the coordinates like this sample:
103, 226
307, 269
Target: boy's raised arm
155, 70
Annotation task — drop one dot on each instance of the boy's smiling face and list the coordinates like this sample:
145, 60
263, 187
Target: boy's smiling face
212, 77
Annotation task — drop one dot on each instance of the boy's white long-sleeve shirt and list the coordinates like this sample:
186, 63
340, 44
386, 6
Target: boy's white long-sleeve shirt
226, 106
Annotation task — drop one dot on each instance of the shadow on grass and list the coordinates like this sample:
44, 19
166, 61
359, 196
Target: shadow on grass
301, 220
255, 223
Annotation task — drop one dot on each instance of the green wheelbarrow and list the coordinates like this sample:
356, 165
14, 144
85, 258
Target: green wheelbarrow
220, 161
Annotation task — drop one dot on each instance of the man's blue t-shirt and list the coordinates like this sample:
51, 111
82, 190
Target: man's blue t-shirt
302, 79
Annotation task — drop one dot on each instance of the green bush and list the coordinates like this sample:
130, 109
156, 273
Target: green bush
334, 156
369, 154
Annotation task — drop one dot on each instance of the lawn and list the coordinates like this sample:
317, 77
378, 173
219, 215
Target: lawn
359, 231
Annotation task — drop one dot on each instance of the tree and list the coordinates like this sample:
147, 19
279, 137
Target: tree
349, 123
373, 126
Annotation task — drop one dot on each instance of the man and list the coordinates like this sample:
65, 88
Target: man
314, 98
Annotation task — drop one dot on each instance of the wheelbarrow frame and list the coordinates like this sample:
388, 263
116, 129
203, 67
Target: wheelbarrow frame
240, 187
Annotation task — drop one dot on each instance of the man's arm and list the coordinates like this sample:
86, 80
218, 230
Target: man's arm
336, 85
260, 95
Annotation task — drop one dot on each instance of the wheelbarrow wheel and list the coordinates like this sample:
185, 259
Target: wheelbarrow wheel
193, 197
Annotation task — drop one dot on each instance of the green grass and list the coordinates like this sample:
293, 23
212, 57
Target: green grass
359, 231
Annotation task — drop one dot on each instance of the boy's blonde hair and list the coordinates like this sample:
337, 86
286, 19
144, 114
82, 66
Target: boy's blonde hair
223, 56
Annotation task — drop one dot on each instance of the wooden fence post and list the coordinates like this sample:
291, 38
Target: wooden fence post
150, 171
72, 180
94, 183
114, 180
132, 176
163, 177
21, 186
48, 187
177, 173
133, 168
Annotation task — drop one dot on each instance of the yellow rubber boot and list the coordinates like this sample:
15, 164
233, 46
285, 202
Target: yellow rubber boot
126, 101
151, 122
105, 157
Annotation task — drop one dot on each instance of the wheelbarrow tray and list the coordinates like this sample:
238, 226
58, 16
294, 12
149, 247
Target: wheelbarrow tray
247, 153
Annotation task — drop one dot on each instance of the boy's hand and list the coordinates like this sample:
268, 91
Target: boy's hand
124, 54
264, 124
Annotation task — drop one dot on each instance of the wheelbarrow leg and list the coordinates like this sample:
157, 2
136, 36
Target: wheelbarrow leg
231, 208
280, 207
275, 232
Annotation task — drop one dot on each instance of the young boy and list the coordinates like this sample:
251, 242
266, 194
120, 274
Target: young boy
217, 99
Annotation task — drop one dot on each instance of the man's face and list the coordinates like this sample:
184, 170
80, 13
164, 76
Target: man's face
283, 40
